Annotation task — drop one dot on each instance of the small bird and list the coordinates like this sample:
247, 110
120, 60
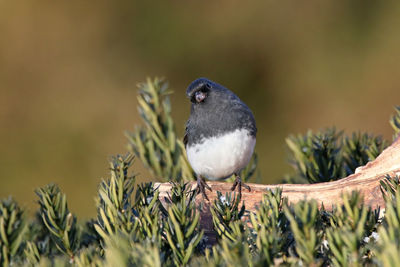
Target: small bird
220, 134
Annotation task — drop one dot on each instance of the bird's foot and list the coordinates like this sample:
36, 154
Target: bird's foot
202, 186
238, 183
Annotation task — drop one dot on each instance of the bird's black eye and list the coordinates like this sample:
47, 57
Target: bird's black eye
199, 96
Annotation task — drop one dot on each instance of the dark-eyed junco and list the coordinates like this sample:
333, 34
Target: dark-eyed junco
220, 134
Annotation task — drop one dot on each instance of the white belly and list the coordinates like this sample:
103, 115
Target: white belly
219, 157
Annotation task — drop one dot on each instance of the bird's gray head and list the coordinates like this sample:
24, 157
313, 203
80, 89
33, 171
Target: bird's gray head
199, 90
216, 109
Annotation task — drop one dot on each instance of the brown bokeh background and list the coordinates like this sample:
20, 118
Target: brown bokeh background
68, 74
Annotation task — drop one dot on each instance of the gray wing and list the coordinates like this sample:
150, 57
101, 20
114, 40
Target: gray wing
185, 137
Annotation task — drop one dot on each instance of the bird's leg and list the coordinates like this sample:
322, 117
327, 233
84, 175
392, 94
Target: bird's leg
201, 186
238, 182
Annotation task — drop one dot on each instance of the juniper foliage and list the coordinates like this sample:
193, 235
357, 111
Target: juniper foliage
182, 224
389, 234
60, 223
157, 144
395, 122
271, 233
225, 211
329, 155
115, 212
12, 231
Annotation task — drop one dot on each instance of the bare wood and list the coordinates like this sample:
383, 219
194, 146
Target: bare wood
366, 180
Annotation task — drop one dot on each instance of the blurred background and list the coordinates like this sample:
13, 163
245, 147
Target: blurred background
68, 75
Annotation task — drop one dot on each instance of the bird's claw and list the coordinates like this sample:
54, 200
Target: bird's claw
202, 186
238, 183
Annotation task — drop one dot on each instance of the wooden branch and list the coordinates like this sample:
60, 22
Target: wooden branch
365, 180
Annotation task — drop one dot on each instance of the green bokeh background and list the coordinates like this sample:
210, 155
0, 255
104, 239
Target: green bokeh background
68, 74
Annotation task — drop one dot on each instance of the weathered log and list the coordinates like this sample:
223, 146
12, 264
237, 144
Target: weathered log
366, 180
